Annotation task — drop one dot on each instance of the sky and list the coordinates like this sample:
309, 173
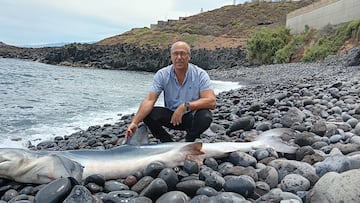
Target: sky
38, 22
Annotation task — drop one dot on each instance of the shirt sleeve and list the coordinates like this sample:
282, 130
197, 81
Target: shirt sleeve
157, 85
205, 82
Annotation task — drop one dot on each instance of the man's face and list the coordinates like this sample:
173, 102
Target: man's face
180, 56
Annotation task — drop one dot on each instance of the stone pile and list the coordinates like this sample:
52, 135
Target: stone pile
321, 103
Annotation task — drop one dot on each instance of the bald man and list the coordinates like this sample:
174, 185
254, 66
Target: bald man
188, 98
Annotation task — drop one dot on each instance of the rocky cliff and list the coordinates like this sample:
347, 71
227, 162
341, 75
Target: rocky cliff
123, 56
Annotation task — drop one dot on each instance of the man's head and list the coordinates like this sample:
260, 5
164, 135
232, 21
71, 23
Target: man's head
180, 55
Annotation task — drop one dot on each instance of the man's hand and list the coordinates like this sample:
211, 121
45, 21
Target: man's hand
130, 130
176, 118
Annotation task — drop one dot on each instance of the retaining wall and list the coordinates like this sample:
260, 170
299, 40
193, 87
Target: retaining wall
320, 14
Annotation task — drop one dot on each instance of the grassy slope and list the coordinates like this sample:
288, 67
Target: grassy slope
228, 26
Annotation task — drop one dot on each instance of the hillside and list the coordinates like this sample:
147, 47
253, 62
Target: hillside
228, 26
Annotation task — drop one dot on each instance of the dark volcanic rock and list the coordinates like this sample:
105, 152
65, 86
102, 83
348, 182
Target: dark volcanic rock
123, 56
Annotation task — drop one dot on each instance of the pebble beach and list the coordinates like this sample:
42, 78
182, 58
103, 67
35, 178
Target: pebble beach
319, 101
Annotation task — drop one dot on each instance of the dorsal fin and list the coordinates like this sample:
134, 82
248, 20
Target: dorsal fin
140, 137
194, 152
193, 148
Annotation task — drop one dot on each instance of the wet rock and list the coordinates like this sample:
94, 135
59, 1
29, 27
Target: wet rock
94, 188
212, 163
206, 172
243, 185
190, 186
96, 178
155, 189
56, 191
228, 197
215, 181
191, 167
113, 185
153, 169
140, 200
244, 123
170, 177
208, 191
79, 193
120, 196
242, 159
173, 196
22, 199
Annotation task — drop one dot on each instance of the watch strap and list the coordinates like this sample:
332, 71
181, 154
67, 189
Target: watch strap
187, 105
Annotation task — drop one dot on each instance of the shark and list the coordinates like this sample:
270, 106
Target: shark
39, 167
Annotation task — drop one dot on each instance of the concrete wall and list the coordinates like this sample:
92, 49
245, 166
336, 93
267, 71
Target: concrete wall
320, 14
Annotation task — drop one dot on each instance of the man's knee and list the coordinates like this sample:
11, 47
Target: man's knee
205, 117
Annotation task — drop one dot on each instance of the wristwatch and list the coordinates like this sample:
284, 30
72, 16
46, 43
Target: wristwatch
187, 105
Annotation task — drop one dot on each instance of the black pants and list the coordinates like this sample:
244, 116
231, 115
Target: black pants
194, 123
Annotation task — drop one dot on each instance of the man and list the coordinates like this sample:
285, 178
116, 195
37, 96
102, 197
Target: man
187, 96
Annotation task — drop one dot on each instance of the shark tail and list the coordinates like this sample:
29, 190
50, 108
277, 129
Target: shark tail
273, 138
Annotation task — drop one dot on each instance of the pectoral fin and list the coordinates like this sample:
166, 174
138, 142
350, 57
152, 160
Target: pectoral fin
67, 168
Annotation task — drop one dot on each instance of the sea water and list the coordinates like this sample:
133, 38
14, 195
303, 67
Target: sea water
40, 101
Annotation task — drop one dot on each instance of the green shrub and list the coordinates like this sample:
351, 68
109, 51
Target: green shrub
324, 47
353, 30
329, 44
264, 44
277, 45
284, 54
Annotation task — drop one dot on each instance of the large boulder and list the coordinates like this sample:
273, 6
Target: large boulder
335, 187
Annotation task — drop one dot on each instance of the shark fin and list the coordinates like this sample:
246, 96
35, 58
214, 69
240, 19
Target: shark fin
273, 138
68, 167
193, 148
140, 137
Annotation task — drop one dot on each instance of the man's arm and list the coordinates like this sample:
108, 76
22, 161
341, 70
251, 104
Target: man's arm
207, 100
145, 108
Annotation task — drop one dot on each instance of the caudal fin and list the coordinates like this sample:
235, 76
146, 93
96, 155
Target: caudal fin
272, 138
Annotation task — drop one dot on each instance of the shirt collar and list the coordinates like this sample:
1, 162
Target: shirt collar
173, 76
